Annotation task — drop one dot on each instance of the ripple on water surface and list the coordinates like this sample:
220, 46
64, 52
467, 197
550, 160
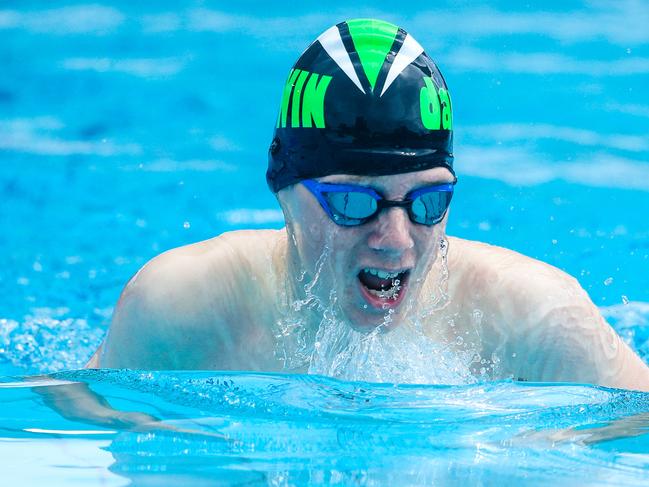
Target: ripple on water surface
268, 427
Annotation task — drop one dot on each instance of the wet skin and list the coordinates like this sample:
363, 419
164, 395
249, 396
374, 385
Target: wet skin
388, 243
215, 304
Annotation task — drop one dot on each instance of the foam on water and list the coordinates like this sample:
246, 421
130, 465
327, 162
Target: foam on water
402, 355
46, 342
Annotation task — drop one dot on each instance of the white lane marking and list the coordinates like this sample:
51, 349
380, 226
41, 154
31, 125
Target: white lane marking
70, 432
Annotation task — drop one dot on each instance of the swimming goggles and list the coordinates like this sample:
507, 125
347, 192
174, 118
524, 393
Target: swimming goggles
349, 205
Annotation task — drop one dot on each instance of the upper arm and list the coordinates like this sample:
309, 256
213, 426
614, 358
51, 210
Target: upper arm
172, 314
138, 333
567, 339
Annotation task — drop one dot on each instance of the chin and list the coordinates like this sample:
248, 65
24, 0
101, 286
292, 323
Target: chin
365, 320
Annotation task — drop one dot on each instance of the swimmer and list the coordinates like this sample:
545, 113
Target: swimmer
361, 163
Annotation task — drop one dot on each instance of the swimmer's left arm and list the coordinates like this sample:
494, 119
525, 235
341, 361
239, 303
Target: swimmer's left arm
579, 346
566, 339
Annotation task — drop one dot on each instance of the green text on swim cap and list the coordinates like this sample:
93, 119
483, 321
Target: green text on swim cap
305, 92
435, 107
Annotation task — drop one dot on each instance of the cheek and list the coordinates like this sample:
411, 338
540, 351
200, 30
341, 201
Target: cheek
315, 230
315, 233
338, 245
346, 246
427, 243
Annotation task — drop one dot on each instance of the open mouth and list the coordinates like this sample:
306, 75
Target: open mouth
383, 289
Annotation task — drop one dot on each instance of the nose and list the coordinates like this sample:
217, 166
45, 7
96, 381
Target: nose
391, 232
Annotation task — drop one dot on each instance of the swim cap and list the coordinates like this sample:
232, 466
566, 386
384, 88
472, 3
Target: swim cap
363, 99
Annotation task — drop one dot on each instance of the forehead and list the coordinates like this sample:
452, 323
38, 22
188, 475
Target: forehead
395, 183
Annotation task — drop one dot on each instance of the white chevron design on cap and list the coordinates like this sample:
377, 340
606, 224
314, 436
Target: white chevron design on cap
333, 44
410, 50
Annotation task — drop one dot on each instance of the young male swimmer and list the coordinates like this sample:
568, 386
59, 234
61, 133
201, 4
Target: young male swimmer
362, 165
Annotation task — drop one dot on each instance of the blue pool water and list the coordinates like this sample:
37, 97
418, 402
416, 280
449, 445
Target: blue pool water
128, 130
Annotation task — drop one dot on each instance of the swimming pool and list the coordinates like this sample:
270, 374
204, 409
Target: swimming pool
125, 132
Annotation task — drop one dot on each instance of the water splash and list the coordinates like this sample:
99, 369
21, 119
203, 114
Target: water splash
400, 354
295, 339
631, 322
440, 297
47, 341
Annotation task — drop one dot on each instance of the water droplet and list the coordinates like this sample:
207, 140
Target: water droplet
186, 225
514, 355
459, 341
628, 50
554, 241
608, 281
476, 316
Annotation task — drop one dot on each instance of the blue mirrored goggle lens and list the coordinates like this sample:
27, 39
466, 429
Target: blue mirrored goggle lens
429, 208
351, 207
355, 208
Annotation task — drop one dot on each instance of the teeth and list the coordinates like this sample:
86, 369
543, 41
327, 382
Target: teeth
392, 293
381, 274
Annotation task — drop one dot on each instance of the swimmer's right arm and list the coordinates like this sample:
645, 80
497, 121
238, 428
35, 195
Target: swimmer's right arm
139, 335
171, 315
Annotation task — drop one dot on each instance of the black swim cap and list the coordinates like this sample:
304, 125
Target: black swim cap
363, 99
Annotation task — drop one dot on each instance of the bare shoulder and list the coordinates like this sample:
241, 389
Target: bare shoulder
187, 297
496, 274
515, 293
540, 320
511, 292
184, 279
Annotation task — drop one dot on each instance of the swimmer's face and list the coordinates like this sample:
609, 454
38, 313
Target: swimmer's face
363, 263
